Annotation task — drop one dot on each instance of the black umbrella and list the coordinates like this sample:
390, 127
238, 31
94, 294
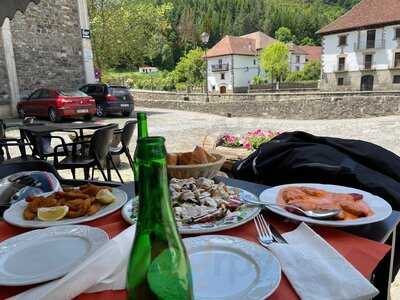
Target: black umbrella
9, 7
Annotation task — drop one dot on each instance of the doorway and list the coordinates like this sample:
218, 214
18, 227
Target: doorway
222, 89
367, 83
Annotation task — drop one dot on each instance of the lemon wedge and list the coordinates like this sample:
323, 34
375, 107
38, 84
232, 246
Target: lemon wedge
105, 197
52, 213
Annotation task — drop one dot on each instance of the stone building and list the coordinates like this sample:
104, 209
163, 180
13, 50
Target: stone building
44, 47
361, 49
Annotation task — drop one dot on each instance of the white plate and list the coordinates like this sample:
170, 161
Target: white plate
14, 215
247, 213
380, 207
82, 111
124, 105
230, 268
46, 254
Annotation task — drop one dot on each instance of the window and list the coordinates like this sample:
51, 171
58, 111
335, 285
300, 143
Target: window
297, 68
397, 33
45, 94
84, 89
341, 63
371, 34
297, 59
222, 76
220, 61
396, 79
340, 81
397, 60
213, 88
342, 40
35, 94
368, 61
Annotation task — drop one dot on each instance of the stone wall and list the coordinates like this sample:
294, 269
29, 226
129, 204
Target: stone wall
48, 46
4, 84
279, 105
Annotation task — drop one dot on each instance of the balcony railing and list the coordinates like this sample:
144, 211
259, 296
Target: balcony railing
220, 67
370, 44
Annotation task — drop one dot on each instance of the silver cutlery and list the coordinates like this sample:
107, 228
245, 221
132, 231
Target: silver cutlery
264, 233
315, 214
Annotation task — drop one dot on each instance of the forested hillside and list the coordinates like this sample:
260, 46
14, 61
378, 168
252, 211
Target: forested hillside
159, 32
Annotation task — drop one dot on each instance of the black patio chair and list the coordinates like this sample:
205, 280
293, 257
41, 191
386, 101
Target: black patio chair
41, 143
125, 136
97, 153
7, 143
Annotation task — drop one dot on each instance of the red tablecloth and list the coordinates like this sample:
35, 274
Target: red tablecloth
364, 254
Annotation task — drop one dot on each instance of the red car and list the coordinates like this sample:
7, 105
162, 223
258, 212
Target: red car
57, 104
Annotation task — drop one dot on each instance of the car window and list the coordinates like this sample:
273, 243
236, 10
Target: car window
84, 89
95, 89
72, 93
118, 91
35, 95
44, 94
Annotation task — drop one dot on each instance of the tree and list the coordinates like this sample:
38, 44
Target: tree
284, 34
190, 69
274, 61
311, 71
307, 41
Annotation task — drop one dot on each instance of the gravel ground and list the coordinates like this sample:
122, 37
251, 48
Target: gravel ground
184, 130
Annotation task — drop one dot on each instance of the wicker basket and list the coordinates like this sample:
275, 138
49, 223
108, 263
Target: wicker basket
208, 170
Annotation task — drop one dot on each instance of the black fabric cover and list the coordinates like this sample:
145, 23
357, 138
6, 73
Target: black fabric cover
8, 8
299, 157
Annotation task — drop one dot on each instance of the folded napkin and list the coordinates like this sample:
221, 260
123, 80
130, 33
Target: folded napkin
317, 271
105, 269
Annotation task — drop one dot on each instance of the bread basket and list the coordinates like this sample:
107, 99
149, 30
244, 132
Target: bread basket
207, 170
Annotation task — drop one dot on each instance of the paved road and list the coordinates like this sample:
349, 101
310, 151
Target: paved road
184, 130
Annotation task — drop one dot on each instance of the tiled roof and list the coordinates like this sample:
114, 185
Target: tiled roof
314, 52
296, 49
233, 45
262, 40
368, 13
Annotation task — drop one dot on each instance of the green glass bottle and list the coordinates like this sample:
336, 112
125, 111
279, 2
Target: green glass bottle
142, 133
158, 267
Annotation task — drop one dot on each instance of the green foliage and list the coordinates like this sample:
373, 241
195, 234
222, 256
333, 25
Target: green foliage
307, 41
128, 33
257, 80
284, 34
311, 71
275, 61
190, 69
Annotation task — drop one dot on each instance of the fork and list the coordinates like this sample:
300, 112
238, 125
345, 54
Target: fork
265, 236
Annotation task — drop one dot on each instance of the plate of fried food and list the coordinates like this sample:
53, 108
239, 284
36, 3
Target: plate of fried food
356, 207
73, 205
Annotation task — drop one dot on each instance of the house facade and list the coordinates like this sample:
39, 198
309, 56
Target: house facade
234, 61
46, 46
361, 49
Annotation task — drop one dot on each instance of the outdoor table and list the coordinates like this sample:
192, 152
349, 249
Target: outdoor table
364, 254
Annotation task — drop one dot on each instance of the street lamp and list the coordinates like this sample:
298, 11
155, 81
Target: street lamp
204, 39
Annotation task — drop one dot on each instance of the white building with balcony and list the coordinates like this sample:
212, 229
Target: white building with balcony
233, 62
361, 49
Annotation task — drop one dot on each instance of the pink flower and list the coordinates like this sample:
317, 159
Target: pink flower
247, 146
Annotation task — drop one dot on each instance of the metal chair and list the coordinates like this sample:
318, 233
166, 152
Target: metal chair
97, 153
125, 136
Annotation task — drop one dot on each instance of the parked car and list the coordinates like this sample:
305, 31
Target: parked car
57, 104
110, 99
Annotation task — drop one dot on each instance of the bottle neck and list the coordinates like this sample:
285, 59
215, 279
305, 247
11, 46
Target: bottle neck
154, 198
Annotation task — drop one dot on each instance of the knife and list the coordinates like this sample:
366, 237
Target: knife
276, 235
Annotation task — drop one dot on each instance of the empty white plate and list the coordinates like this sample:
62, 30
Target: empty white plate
46, 254
230, 268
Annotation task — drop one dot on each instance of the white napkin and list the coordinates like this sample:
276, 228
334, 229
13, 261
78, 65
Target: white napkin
317, 271
105, 269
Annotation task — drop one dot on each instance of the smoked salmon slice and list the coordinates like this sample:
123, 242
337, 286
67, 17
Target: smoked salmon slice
352, 205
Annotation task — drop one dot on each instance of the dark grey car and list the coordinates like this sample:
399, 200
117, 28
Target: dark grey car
110, 99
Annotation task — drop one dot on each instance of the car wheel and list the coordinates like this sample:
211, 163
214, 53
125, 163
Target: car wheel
88, 118
21, 113
53, 115
100, 111
126, 113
